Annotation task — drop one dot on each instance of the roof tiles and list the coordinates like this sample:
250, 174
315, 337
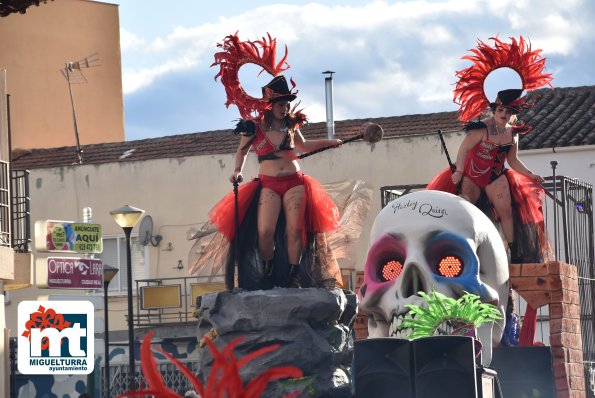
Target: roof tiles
560, 117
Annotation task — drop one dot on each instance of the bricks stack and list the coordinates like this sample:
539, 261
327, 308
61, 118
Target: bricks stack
361, 321
556, 284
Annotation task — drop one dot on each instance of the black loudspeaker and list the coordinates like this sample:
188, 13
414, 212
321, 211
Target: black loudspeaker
524, 371
382, 368
445, 367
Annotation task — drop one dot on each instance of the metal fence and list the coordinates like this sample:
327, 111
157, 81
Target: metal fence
15, 228
173, 378
568, 211
21, 213
176, 301
5, 226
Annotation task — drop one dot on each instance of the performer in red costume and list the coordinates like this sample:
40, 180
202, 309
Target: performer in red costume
283, 214
511, 197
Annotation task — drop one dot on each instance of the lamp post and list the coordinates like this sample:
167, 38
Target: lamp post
127, 217
108, 274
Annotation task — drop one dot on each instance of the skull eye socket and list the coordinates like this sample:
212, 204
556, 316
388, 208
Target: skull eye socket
450, 266
390, 270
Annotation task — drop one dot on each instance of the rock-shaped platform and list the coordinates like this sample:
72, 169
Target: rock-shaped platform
313, 326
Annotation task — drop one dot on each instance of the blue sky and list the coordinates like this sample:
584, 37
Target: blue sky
390, 57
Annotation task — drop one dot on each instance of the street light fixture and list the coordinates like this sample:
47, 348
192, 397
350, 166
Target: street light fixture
108, 274
127, 217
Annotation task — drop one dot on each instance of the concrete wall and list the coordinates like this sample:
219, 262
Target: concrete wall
178, 193
35, 46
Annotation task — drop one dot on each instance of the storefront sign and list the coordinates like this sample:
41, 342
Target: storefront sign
68, 237
74, 273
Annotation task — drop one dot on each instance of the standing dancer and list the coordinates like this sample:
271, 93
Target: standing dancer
512, 198
283, 214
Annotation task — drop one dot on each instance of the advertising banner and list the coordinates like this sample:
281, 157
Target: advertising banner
68, 237
73, 273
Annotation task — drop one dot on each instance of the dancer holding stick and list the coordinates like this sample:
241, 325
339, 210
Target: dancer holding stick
283, 214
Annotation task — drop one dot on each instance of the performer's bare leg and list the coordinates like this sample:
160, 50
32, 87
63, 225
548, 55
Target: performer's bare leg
294, 207
498, 193
269, 207
469, 191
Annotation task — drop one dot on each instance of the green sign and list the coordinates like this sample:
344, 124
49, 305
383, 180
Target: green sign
71, 237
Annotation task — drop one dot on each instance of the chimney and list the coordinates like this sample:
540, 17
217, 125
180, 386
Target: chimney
330, 121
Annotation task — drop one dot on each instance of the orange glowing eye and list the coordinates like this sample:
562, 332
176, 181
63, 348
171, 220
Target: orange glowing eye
391, 270
450, 267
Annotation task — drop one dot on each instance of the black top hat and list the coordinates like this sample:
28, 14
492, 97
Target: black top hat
511, 99
277, 90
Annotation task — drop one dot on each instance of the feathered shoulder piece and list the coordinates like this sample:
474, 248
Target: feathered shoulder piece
475, 126
235, 53
245, 127
297, 118
529, 64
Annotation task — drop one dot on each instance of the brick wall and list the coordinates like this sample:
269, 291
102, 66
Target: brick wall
556, 284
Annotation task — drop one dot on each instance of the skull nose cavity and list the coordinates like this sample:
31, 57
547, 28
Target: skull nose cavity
413, 281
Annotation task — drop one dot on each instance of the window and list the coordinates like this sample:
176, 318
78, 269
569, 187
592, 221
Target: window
114, 254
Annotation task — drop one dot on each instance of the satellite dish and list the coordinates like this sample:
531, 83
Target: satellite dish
145, 232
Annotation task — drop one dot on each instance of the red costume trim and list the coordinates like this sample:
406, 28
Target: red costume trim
469, 93
322, 215
280, 185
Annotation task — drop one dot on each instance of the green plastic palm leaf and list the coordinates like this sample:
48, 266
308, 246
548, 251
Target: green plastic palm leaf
467, 310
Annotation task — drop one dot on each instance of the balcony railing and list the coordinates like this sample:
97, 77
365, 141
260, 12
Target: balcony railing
21, 213
163, 301
5, 226
15, 222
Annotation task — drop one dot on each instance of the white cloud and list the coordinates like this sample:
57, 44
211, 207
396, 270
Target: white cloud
391, 57
129, 41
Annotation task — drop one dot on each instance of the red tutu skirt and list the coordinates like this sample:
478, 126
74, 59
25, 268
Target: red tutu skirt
443, 182
322, 214
526, 194
527, 203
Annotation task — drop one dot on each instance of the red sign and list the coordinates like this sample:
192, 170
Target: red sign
75, 273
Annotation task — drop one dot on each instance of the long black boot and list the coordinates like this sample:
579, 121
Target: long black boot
267, 268
294, 280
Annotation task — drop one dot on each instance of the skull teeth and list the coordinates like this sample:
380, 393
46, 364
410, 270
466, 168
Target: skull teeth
396, 330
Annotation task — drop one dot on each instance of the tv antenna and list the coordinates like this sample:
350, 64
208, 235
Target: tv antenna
73, 73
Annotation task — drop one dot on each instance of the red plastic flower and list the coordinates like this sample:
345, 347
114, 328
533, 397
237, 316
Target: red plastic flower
224, 378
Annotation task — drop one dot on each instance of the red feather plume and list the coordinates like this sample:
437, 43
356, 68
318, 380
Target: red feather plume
529, 64
236, 53
224, 378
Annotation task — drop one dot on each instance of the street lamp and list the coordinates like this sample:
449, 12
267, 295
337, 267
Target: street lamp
127, 217
108, 274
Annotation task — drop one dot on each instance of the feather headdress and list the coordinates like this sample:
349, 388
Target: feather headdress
469, 92
236, 53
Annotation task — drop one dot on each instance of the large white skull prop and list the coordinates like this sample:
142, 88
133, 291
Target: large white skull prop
410, 239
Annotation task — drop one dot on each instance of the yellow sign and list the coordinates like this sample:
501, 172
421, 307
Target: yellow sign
68, 237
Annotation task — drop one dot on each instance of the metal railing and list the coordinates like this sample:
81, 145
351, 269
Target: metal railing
568, 212
189, 289
15, 230
5, 223
173, 378
21, 212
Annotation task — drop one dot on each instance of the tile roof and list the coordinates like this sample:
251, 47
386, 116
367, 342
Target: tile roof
560, 117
